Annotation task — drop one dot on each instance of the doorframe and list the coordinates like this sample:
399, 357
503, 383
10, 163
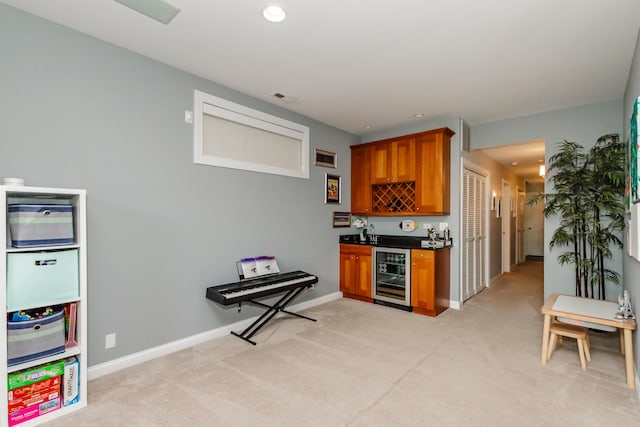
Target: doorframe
520, 218
473, 167
506, 226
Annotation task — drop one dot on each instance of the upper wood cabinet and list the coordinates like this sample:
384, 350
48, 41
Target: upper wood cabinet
433, 181
406, 175
361, 180
393, 161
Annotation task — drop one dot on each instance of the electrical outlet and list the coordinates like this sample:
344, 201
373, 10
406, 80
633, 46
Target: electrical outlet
188, 116
110, 340
426, 226
444, 226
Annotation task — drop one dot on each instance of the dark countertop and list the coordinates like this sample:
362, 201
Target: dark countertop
387, 241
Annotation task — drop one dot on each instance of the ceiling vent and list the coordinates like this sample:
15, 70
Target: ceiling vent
284, 98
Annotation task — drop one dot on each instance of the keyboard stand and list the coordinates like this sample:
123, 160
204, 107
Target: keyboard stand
272, 310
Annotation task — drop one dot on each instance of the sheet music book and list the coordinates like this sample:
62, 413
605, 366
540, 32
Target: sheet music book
249, 268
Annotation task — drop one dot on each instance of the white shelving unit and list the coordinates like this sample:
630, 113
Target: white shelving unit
77, 199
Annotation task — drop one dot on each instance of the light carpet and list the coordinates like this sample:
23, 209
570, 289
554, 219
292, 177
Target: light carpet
368, 365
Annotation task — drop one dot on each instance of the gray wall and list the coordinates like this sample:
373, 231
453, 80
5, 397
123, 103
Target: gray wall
80, 113
631, 267
583, 125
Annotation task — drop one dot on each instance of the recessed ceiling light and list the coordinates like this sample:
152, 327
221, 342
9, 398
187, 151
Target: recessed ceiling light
418, 115
514, 163
367, 127
274, 13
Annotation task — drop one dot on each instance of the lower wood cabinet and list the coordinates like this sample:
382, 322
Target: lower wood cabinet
355, 272
429, 277
430, 281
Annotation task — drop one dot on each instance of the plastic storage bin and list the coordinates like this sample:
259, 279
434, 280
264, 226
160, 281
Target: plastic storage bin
32, 339
36, 279
40, 225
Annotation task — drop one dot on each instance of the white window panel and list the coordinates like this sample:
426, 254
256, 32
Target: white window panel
230, 135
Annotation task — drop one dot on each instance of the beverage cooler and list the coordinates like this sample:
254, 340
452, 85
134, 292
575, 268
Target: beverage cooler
392, 277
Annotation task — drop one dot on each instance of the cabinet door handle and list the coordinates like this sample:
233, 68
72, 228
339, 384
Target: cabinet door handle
357, 258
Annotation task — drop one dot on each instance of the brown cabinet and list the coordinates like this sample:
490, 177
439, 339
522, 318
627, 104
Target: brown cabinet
355, 272
407, 175
361, 180
393, 161
433, 157
430, 288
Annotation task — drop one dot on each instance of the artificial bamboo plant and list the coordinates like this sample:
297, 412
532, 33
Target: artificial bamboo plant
588, 197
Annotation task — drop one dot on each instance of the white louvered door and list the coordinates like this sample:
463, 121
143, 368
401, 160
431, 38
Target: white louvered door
474, 226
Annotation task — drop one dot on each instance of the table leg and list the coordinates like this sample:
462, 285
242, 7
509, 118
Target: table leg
628, 355
545, 339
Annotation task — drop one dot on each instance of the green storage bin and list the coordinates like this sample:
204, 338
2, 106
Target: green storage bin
36, 279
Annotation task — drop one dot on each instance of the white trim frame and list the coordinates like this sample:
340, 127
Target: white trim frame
468, 164
205, 104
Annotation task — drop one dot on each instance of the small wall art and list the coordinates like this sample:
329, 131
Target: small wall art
332, 189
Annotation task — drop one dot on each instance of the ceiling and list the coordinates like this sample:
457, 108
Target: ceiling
377, 63
522, 159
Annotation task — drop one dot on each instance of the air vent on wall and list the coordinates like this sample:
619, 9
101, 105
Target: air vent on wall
465, 136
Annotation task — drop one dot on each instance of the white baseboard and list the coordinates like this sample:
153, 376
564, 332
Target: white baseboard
495, 279
115, 365
455, 305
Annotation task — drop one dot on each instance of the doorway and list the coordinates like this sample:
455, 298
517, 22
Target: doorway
534, 225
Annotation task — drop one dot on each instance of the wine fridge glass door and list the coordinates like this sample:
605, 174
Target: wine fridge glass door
392, 276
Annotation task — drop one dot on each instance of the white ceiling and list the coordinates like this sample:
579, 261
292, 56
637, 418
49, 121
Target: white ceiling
371, 62
522, 159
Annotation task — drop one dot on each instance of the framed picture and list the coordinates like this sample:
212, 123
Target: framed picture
341, 219
325, 158
332, 189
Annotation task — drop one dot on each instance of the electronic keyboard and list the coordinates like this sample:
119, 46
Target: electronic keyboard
247, 290
291, 284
